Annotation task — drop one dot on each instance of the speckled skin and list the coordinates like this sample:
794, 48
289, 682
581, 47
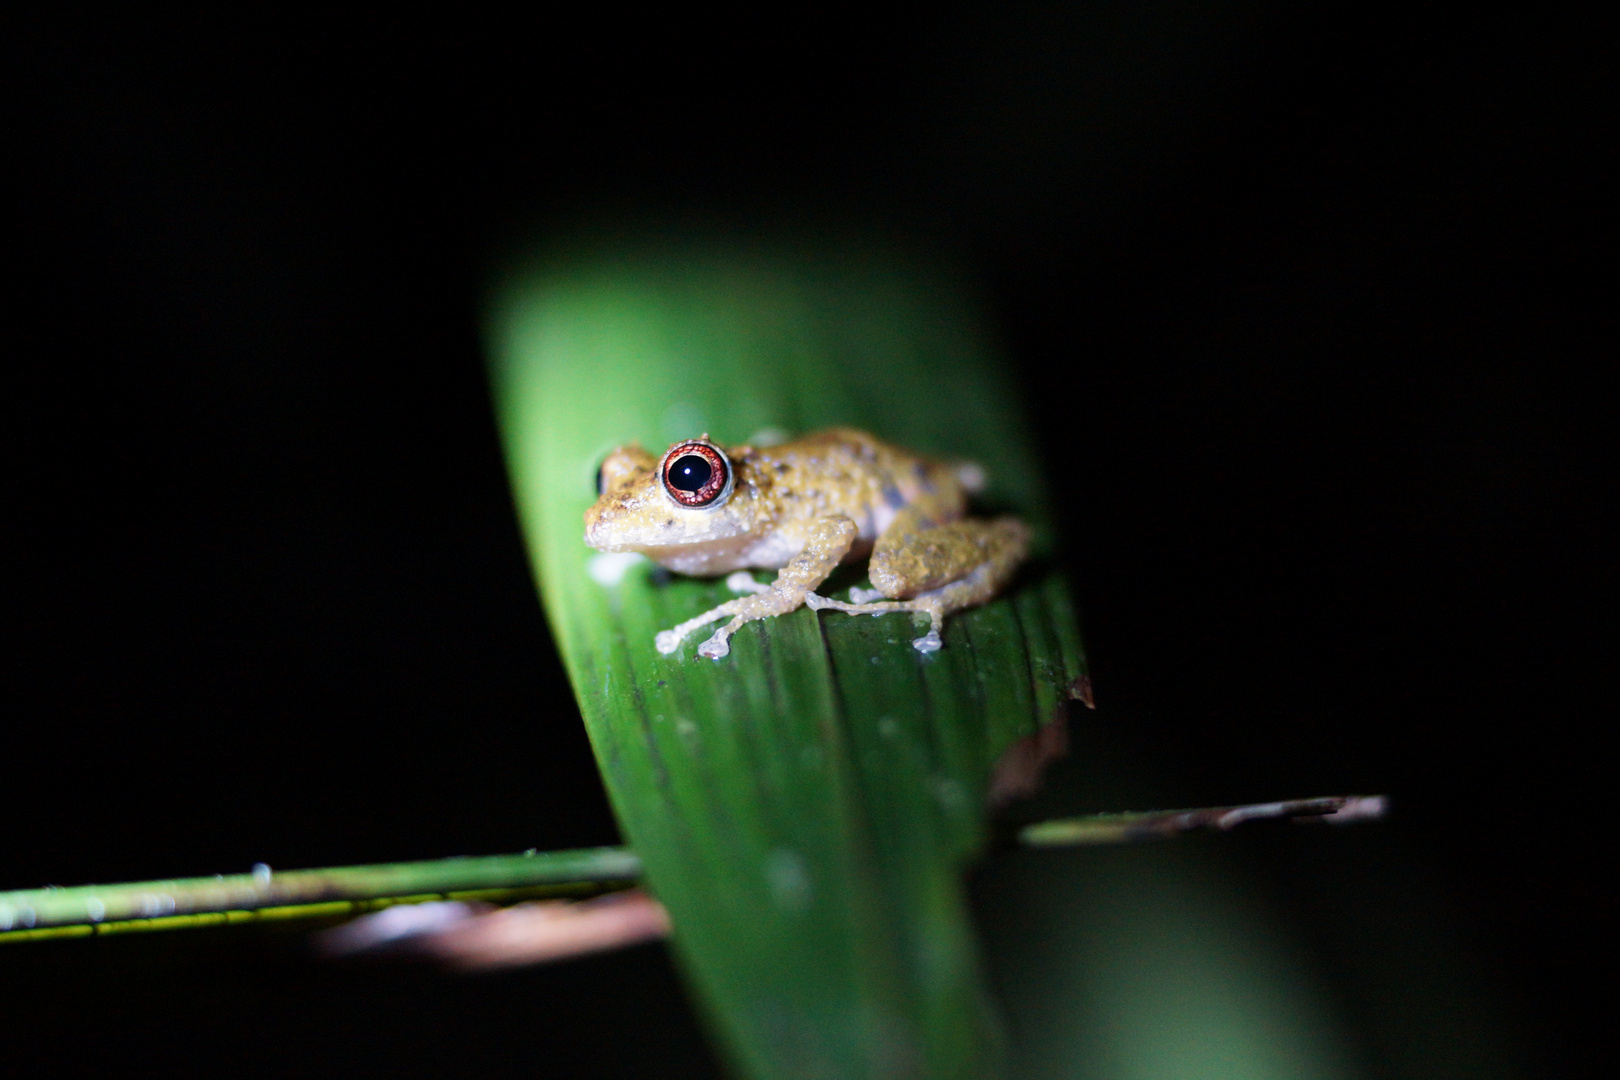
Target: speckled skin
805, 506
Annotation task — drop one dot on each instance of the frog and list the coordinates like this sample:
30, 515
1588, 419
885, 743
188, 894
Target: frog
802, 507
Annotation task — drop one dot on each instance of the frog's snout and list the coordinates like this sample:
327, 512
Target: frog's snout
605, 532
595, 533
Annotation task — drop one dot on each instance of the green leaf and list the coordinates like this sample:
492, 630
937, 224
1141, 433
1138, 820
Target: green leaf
804, 807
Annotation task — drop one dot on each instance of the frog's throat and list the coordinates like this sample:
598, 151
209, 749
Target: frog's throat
712, 557
742, 553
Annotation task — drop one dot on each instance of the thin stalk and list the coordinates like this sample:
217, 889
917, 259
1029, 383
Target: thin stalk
263, 893
1159, 824
33, 914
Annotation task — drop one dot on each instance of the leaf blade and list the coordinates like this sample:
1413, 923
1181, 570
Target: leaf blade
804, 807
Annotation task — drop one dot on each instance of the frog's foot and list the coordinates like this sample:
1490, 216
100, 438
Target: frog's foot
759, 605
743, 582
825, 545
717, 645
927, 604
763, 604
670, 640
739, 582
858, 595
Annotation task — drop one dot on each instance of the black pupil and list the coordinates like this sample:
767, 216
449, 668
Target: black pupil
690, 473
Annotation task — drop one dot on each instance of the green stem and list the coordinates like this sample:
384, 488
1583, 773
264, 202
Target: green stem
31, 914
34, 913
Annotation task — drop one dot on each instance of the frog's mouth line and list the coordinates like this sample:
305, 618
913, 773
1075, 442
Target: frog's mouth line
658, 532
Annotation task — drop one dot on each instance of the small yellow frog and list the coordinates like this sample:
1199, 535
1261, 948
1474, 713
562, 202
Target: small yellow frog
805, 506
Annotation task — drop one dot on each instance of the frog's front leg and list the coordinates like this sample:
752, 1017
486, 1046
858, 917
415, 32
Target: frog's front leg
826, 543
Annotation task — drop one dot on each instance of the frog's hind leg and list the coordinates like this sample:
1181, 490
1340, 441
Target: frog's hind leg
826, 545
975, 558
926, 604
980, 585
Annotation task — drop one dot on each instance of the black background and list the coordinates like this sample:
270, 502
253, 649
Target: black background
1315, 319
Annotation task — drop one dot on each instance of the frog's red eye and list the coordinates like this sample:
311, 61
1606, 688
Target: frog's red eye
696, 474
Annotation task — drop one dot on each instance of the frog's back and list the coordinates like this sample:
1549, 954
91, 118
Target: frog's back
847, 471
